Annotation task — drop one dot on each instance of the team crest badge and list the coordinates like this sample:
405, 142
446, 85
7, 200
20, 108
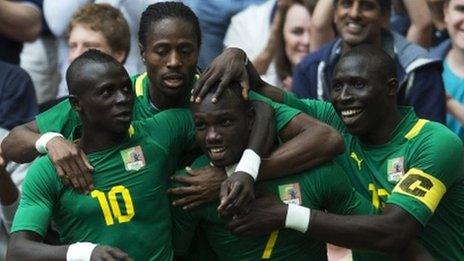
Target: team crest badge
395, 169
290, 193
133, 158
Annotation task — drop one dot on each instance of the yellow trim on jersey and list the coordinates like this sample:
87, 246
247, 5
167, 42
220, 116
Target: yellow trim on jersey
131, 131
416, 129
270, 244
139, 84
421, 186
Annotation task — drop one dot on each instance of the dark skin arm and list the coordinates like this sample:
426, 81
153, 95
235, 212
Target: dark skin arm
71, 163
391, 232
8, 191
28, 246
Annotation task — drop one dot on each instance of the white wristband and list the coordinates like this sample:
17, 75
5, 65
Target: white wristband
249, 163
297, 218
41, 143
80, 251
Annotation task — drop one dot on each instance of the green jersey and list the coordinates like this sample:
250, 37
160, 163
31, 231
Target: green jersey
421, 170
325, 187
128, 208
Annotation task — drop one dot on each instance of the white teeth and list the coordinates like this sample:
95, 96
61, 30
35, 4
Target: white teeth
217, 150
353, 25
350, 113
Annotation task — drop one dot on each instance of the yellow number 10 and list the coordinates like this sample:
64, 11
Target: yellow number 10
115, 211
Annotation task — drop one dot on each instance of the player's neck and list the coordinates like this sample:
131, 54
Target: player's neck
163, 102
382, 134
92, 141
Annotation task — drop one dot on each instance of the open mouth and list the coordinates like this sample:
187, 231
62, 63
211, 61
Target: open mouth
124, 116
217, 153
354, 27
350, 116
173, 80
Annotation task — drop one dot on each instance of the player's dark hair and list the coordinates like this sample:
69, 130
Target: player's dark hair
159, 11
385, 5
232, 91
74, 72
379, 61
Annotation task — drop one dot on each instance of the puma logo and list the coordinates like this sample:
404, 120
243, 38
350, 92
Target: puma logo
357, 159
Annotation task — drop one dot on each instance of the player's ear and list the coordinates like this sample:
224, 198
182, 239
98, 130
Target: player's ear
75, 102
392, 85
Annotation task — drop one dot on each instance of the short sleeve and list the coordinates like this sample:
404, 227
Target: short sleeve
283, 114
59, 118
436, 166
40, 192
320, 110
172, 129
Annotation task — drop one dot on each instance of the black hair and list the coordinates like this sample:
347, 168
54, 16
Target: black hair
385, 5
74, 72
159, 11
232, 91
380, 62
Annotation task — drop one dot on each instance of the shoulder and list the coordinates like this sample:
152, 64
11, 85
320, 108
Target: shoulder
313, 59
9, 72
41, 171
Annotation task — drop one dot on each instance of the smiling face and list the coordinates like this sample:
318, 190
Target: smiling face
296, 33
222, 128
107, 102
359, 21
360, 95
170, 54
454, 18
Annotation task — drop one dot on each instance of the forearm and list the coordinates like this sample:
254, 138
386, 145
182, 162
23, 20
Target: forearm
455, 109
303, 152
376, 233
28, 246
263, 130
420, 31
321, 25
19, 21
8, 191
19, 145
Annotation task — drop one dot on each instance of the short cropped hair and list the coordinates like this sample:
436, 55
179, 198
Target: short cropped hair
74, 74
107, 20
161, 10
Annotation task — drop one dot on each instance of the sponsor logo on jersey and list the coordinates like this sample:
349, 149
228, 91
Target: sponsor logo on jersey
290, 193
133, 158
395, 169
358, 160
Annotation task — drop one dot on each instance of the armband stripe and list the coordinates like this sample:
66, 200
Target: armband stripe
139, 84
416, 129
422, 186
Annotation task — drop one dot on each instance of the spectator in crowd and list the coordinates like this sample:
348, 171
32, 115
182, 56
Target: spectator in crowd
18, 103
58, 15
413, 20
20, 21
452, 53
360, 22
440, 33
287, 44
214, 17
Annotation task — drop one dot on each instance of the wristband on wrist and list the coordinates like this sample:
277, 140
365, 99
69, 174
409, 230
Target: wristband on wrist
297, 218
41, 143
249, 163
80, 251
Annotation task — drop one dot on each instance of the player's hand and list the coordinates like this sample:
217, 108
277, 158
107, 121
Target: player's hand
266, 214
107, 253
236, 194
202, 186
71, 164
228, 67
